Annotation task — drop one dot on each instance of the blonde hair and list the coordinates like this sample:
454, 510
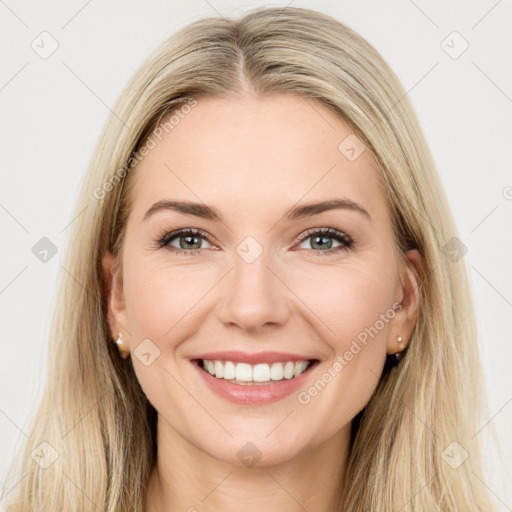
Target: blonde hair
94, 413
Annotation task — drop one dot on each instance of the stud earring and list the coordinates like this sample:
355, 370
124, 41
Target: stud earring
119, 339
119, 342
398, 355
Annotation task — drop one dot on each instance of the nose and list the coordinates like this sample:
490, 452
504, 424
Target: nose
255, 296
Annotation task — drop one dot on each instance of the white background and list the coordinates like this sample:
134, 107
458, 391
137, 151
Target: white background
53, 110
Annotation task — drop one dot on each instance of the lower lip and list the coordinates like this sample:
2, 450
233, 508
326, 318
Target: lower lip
254, 395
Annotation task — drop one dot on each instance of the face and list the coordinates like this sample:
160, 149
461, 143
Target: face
255, 284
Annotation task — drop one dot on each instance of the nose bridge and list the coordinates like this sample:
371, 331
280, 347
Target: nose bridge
254, 295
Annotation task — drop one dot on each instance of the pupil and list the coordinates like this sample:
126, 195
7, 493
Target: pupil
188, 238
324, 241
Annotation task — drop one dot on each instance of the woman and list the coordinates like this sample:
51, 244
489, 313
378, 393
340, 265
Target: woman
259, 312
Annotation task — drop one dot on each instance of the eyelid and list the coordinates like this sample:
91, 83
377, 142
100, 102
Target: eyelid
346, 241
341, 236
168, 234
325, 231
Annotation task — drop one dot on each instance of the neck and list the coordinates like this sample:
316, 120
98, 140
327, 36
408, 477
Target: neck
187, 479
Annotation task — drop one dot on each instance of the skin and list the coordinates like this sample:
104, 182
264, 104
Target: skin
253, 158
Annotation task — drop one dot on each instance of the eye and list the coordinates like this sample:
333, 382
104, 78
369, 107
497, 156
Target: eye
321, 239
189, 240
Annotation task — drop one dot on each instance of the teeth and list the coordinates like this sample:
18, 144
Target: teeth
219, 370
229, 371
288, 370
245, 373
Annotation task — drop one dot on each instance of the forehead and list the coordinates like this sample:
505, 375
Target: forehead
255, 153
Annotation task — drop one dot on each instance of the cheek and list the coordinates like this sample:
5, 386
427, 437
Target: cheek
355, 308
160, 298
341, 302
336, 305
347, 300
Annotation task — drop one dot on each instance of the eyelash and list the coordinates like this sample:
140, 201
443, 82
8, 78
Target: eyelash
346, 241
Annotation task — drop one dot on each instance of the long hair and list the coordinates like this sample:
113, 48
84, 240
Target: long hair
92, 442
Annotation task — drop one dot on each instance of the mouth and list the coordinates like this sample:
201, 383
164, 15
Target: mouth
254, 378
260, 374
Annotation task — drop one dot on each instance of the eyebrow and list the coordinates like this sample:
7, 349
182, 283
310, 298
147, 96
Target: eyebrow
297, 212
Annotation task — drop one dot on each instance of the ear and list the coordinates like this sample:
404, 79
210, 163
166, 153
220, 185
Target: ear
408, 303
116, 308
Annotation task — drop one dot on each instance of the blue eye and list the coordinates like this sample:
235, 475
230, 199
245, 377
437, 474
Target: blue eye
320, 238
187, 238
190, 240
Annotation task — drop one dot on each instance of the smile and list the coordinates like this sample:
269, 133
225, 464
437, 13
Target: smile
254, 378
247, 374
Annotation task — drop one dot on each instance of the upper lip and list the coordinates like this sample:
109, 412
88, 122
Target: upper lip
252, 358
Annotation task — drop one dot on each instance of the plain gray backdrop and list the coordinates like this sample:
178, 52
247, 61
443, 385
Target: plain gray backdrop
63, 66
